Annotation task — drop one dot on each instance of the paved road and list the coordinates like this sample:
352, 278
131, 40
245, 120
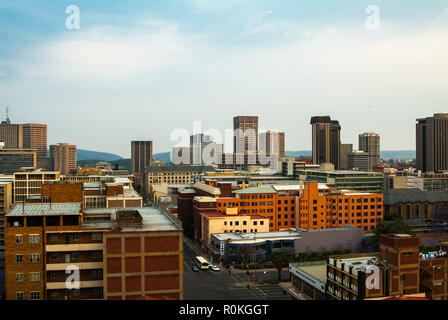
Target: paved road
210, 285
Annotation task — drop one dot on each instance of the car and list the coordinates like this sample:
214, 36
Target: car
215, 268
195, 269
210, 265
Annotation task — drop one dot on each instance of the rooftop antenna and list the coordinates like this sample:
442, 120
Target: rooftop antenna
7, 115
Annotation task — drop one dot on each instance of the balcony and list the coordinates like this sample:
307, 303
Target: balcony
82, 284
80, 265
74, 247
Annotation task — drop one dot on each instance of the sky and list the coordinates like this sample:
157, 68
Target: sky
137, 70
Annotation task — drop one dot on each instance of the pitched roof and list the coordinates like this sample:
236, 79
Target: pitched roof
255, 190
394, 196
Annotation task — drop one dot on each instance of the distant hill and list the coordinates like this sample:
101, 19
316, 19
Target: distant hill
164, 155
122, 163
400, 154
100, 156
298, 154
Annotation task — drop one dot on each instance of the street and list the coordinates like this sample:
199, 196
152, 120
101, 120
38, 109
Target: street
219, 285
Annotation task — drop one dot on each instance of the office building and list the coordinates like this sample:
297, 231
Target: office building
359, 160
344, 179
370, 142
432, 143
64, 158
245, 140
346, 149
272, 142
29, 183
141, 155
35, 137
12, 160
11, 134
326, 140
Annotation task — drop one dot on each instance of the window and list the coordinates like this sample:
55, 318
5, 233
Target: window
75, 256
54, 293
76, 292
34, 276
34, 238
19, 277
35, 295
53, 275
19, 239
34, 257
19, 258
97, 236
20, 296
54, 238
75, 237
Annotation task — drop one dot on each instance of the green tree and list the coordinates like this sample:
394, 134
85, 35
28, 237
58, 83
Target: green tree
281, 260
385, 227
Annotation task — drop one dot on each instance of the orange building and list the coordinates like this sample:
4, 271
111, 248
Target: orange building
309, 206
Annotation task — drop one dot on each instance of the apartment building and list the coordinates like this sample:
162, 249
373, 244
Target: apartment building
64, 158
5, 203
231, 222
174, 174
129, 253
29, 183
397, 264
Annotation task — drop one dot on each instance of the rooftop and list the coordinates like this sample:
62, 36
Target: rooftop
153, 219
45, 209
256, 235
394, 196
249, 190
317, 271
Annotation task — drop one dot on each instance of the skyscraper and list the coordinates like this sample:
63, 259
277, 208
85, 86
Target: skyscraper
326, 140
11, 134
432, 143
272, 142
141, 155
345, 150
64, 158
35, 137
247, 140
370, 142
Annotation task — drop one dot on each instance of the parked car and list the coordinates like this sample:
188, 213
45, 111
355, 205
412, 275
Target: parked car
195, 269
210, 265
215, 268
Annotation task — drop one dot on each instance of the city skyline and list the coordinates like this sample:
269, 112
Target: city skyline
133, 65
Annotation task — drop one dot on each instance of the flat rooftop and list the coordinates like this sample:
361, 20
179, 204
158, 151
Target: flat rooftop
317, 271
256, 235
153, 219
45, 209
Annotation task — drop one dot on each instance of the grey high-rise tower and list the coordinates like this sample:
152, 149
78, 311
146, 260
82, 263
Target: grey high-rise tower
370, 142
432, 143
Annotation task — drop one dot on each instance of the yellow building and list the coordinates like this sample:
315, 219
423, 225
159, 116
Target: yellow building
231, 222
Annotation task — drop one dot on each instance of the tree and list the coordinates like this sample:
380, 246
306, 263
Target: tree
281, 260
382, 227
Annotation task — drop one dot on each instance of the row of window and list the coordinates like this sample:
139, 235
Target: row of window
33, 276
33, 258
33, 238
256, 196
237, 223
34, 295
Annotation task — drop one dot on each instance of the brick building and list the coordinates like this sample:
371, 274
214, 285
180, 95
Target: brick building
121, 253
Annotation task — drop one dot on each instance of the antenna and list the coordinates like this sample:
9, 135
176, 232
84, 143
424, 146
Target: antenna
7, 115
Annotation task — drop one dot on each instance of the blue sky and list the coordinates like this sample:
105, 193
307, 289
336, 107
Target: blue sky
140, 69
